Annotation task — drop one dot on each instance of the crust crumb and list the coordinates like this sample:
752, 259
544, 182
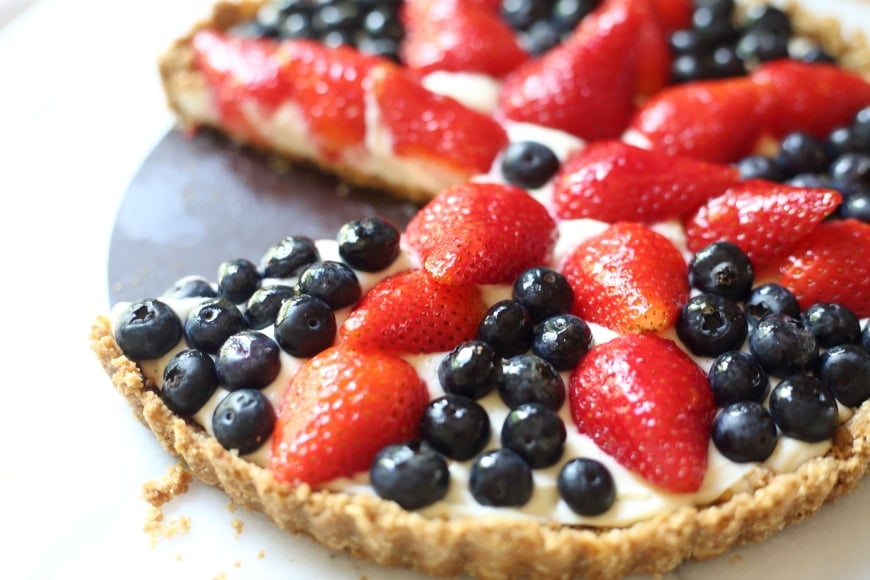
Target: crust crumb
156, 525
231, 507
238, 525
261, 555
174, 483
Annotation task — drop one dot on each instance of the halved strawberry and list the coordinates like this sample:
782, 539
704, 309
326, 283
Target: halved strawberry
481, 233
765, 219
340, 409
613, 181
811, 97
673, 14
718, 120
830, 265
433, 127
411, 312
648, 405
629, 278
654, 54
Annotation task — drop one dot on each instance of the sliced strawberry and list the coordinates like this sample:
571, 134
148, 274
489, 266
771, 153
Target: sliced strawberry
585, 86
648, 405
410, 312
458, 35
830, 265
340, 409
811, 97
433, 127
763, 218
481, 233
673, 14
613, 181
628, 278
654, 54
719, 120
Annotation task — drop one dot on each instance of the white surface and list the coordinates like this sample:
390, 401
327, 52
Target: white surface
80, 108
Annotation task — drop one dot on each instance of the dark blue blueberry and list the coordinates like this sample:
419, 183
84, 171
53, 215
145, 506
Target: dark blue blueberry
783, 346
268, 19
813, 54
384, 47
562, 340
727, 63
501, 478
410, 474
856, 205
297, 25
846, 140
865, 337
832, 324
567, 14
818, 180
804, 409
527, 378
845, 370
147, 329
722, 268
507, 327
334, 16
455, 426
719, 7
191, 287
710, 325
368, 245
541, 37
713, 27
770, 299
690, 67
767, 18
471, 369
528, 164
382, 22
861, 123
211, 322
851, 170
263, 306
248, 360
759, 167
762, 45
521, 14
587, 486
544, 292
686, 41
243, 420
744, 432
332, 282
801, 153
305, 325
237, 280
289, 257
535, 433
737, 376
189, 380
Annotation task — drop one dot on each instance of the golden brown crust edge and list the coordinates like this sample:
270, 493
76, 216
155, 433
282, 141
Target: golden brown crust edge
378, 530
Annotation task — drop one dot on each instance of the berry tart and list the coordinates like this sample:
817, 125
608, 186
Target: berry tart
614, 339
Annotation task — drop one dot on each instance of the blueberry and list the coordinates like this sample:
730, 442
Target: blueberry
768, 18
710, 325
544, 292
248, 360
368, 245
770, 299
410, 474
297, 25
759, 167
507, 326
845, 370
383, 22
263, 306
471, 369
804, 409
762, 45
832, 324
718, 7
501, 478
521, 14
722, 268
727, 62
528, 164
692, 67
147, 329
783, 346
191, 287
737, 376
455, 426
243, 420
541, 37
817, 180
713, 27
237, 280
814, 54
189, 380
846, 140
289, 257
332, 282
567, 14
334, 16
211, 322
801, 153
383, 47
305, 325
686, 41
744, 432
865, 337
851, 170
527, 378
856, 206
535, 433
562, 340
587, 486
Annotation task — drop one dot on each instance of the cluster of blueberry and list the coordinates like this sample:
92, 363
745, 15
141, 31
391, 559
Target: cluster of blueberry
522, 345
541, 25
841, 161
817, 355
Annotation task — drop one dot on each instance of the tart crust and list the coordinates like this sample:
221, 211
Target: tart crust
496, 547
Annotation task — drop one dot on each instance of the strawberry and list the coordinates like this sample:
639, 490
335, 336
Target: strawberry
458, 35
765, 219
481, 233
628, 278
830, 265
434, 127
814, 98
613, 181
718, 120
586, 85
653, 51
673, 14
411, 312
340, 409
648, 405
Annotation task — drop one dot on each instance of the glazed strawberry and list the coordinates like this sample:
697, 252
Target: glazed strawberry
813, 98
481, 233
340, 409
460, 36
654, 54
649, 406
420, 123
613, 181
830, 265
629, 278
718, 121
765, 219
411, 312
673, 14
